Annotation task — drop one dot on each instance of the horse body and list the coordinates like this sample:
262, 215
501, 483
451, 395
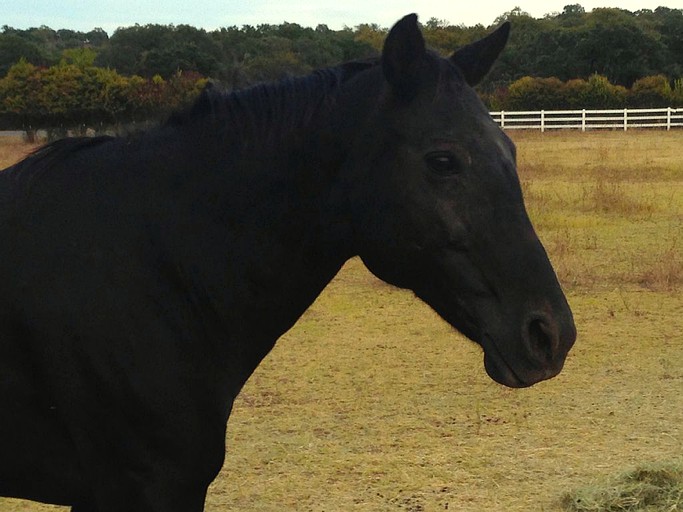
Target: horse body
125, 315
148, 276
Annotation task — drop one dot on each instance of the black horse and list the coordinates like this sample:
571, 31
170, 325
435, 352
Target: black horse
143, 278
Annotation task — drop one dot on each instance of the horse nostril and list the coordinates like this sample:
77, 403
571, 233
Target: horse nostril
542, 339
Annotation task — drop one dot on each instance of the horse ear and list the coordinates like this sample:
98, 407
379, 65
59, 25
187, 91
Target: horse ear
476, 59
402, 56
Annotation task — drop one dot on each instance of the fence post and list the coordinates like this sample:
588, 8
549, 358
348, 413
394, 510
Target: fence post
625, 119
502, 119
583, 120
542, 121
668, 118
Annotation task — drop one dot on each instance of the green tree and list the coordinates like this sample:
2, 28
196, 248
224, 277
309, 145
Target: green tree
96, 38
160, 49
669, 26
519, 57
274, 59
446, 38
79, 57
351, 47
572, 15
13, 47
371, 34
614, 45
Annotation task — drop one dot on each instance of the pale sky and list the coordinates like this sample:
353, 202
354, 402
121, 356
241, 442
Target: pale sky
83, 15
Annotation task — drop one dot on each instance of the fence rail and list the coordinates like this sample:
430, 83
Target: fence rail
623, 119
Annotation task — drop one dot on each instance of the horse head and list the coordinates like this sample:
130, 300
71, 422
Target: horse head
437, 208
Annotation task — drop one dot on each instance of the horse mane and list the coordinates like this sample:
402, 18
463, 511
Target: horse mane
39, 161
53, 152
269, 111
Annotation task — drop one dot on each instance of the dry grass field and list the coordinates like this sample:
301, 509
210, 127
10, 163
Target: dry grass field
372, 403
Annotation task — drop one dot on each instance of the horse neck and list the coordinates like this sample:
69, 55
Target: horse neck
287, 227
291, 150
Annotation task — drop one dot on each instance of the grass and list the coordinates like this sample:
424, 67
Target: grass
611, 212
13, 149
371, 403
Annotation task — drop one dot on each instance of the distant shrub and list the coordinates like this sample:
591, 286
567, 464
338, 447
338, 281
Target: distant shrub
532, 93
651, 91
677, 93
575, 91
599, 93
529, 93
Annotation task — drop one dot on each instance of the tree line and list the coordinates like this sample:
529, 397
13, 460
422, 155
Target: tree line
603, 58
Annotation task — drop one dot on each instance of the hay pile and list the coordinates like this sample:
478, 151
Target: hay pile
654, 488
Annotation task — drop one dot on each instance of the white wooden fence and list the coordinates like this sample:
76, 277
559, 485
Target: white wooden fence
623, 119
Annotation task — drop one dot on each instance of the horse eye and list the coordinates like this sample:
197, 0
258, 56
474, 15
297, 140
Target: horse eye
443, 163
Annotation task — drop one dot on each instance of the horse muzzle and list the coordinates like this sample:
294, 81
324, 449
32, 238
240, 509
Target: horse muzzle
537, 354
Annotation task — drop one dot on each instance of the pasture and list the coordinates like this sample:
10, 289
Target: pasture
372, 403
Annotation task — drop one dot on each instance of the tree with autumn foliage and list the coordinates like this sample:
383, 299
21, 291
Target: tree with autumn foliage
76, 96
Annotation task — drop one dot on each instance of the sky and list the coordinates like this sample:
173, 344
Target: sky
84, 15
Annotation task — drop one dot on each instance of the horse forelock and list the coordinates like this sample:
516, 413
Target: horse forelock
449, 79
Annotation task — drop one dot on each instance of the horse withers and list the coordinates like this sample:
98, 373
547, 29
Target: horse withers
145, 277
